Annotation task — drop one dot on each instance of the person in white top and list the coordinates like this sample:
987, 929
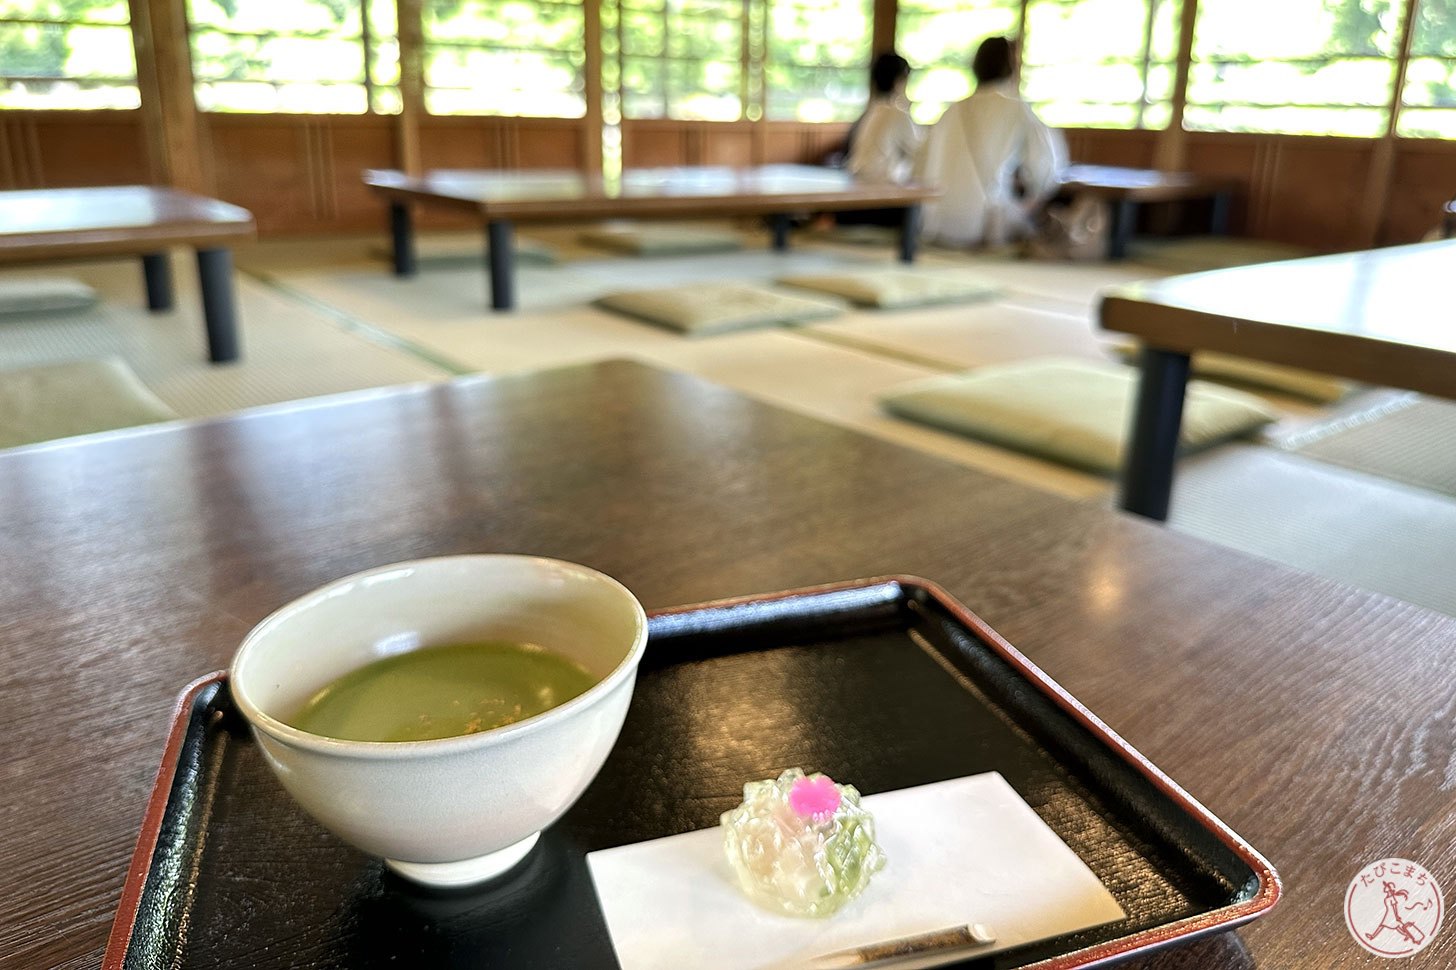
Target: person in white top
883, 143
980, 150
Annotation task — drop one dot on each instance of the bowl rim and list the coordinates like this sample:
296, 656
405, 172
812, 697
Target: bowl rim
286, 733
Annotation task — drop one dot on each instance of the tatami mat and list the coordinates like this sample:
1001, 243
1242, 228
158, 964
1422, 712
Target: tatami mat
1195, 254
1410, 439
963, 337
453, 293
289, 352
324, 315
1356, 528
1074, 287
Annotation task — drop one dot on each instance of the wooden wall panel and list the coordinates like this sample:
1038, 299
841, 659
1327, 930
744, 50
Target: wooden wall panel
1240, 159
300, 173
1424, 177
448, 143
549, 144
1313, 192
780, 144
356, 146
59, 149
647, 145
730, 145
1101, 146
488, 142
822, 140
265, 168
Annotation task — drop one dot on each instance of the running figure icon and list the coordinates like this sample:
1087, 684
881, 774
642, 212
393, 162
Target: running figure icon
1392, 920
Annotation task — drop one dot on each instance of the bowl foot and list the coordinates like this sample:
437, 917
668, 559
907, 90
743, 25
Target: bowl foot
467, 871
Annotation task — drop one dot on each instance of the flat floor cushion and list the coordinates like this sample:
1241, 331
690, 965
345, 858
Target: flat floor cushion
895, 289
662, 240
27, 297
1226, 368
702, 309
60, 400
1071, 411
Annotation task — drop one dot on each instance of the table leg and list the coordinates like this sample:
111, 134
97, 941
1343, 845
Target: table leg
501, 256
402, 231
780, 233
1147, 475
157, 272
1124, 221
1218, 216
219, 303
909, 233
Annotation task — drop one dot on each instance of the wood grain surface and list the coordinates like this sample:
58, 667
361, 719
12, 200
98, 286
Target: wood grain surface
1381, 316
43, 224
1317, 720
666, 193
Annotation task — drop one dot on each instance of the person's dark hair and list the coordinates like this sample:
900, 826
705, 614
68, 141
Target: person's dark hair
886, 72
993, 60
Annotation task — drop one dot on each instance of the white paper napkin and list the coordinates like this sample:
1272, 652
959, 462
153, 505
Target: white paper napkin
963, 851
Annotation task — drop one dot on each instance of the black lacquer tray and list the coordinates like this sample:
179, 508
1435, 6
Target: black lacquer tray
885, 683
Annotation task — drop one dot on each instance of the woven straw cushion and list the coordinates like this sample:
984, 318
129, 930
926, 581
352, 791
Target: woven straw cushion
896, 289
702, 309
662, 240
60, 400
28, 297
1070, 411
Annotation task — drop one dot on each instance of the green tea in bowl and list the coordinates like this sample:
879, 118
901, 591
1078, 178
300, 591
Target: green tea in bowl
443, 692
496, 686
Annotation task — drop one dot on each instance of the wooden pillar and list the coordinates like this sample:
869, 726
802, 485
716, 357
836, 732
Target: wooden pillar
1171, 150
170, 121
883, 27
593, 120
1382, 159
411, 86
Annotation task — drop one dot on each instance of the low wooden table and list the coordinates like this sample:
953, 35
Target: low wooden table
1310, 716
42, 225
501, 199
1382, 317
1128, 188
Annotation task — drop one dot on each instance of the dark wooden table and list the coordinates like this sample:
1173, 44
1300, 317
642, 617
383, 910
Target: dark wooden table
1382, 317
1317, 720
42, 225
501, 199
1128, 188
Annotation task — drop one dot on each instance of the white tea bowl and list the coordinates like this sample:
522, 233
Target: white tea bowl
457, 810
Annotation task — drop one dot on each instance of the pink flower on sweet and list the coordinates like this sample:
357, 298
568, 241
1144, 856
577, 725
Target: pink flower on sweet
817, 798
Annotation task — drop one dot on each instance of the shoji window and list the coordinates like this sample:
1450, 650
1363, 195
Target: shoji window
505, 57
295, 56
1295, 66
1101, 63
1429, 99
66, 54
816, 55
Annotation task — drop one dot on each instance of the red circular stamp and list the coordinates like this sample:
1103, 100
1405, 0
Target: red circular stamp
1394, 908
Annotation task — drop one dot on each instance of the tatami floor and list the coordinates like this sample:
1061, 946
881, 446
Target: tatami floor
322, 317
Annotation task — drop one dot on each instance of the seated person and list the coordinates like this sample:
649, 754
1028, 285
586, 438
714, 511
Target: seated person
884, 140
981, 150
